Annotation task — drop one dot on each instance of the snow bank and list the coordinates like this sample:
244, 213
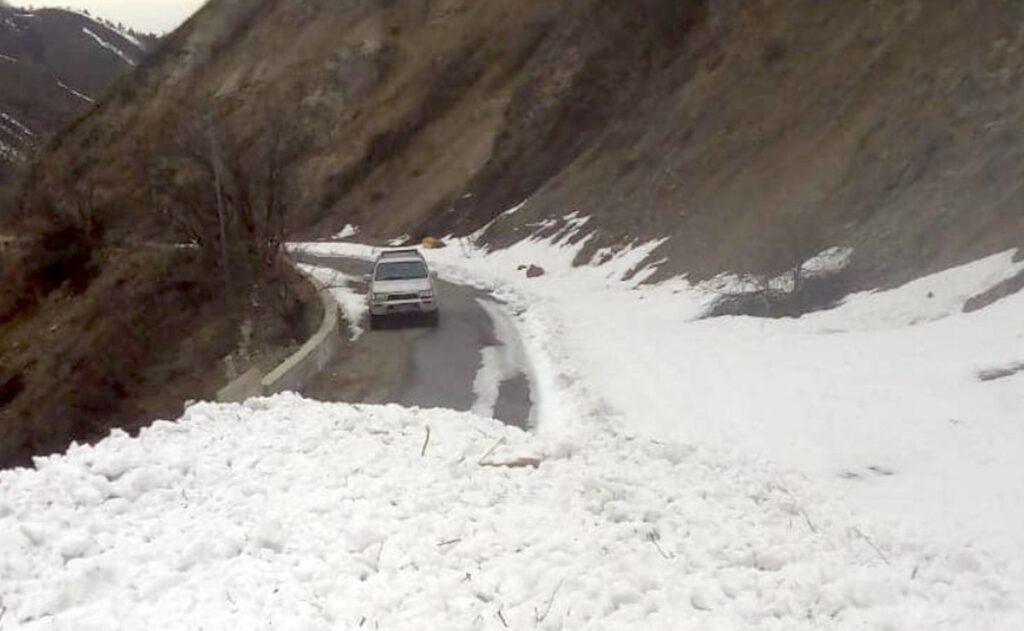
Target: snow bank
347, 232
343, 288
501, 362
289, 514
878, 401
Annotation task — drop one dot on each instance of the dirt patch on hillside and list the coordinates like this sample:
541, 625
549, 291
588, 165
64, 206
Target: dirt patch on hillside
1005, 289
130, 341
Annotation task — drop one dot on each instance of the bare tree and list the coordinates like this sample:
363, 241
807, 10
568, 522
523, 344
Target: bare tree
228, 192
787, 286
795, 240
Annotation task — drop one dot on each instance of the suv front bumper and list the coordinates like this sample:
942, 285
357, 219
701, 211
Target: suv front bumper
403, 306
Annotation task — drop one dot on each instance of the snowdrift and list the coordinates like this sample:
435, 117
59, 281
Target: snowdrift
290, 514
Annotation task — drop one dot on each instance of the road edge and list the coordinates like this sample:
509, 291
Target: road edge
295, 371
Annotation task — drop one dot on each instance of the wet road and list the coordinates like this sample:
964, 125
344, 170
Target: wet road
473, 361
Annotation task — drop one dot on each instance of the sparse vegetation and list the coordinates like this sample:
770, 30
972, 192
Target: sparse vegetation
99, 330
798, 287
779, 297
227, 194
149, 330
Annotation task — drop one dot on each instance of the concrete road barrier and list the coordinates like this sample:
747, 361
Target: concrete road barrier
305, 364
245, 387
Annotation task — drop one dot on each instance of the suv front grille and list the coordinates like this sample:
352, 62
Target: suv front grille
397, 297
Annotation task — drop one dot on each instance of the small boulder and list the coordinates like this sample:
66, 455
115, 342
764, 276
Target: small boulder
534, 271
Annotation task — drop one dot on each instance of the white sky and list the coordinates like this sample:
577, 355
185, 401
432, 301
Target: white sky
147, 15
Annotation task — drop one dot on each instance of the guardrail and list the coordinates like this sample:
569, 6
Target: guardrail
296, 371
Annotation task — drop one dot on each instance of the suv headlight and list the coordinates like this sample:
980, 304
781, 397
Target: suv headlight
427, 295
380, 297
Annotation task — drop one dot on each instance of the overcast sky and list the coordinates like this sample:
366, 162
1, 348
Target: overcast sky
146, 15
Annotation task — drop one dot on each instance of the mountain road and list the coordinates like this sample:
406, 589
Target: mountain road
474, 361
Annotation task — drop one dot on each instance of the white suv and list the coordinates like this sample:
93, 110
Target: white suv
402, 283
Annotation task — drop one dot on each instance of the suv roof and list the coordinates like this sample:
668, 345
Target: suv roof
405, 253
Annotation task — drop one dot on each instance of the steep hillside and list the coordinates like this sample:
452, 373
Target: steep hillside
749, 133
54, 65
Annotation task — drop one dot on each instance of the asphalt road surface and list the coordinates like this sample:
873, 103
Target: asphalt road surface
472, 361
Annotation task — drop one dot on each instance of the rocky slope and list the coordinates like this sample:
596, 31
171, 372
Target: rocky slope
746, 132
54, 65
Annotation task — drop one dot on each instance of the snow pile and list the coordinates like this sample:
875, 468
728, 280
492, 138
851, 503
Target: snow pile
347, 232
289, 514
345, 290
878, 401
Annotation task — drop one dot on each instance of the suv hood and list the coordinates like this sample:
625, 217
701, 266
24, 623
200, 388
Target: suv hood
401, 286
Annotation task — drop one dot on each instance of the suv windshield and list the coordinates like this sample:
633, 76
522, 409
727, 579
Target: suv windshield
402, 270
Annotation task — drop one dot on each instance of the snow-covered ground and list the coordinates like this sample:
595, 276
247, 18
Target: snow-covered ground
844, 470
290, 514
347, 232
877, 402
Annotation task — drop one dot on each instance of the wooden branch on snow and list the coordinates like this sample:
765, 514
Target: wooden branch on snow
871, 542
519, 463
539, 617
426, 441
490, 451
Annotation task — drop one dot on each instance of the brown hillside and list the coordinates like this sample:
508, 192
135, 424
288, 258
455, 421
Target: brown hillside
728, 126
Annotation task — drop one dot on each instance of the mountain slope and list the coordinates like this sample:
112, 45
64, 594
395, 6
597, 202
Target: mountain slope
748, 133
54, 65
406, 100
